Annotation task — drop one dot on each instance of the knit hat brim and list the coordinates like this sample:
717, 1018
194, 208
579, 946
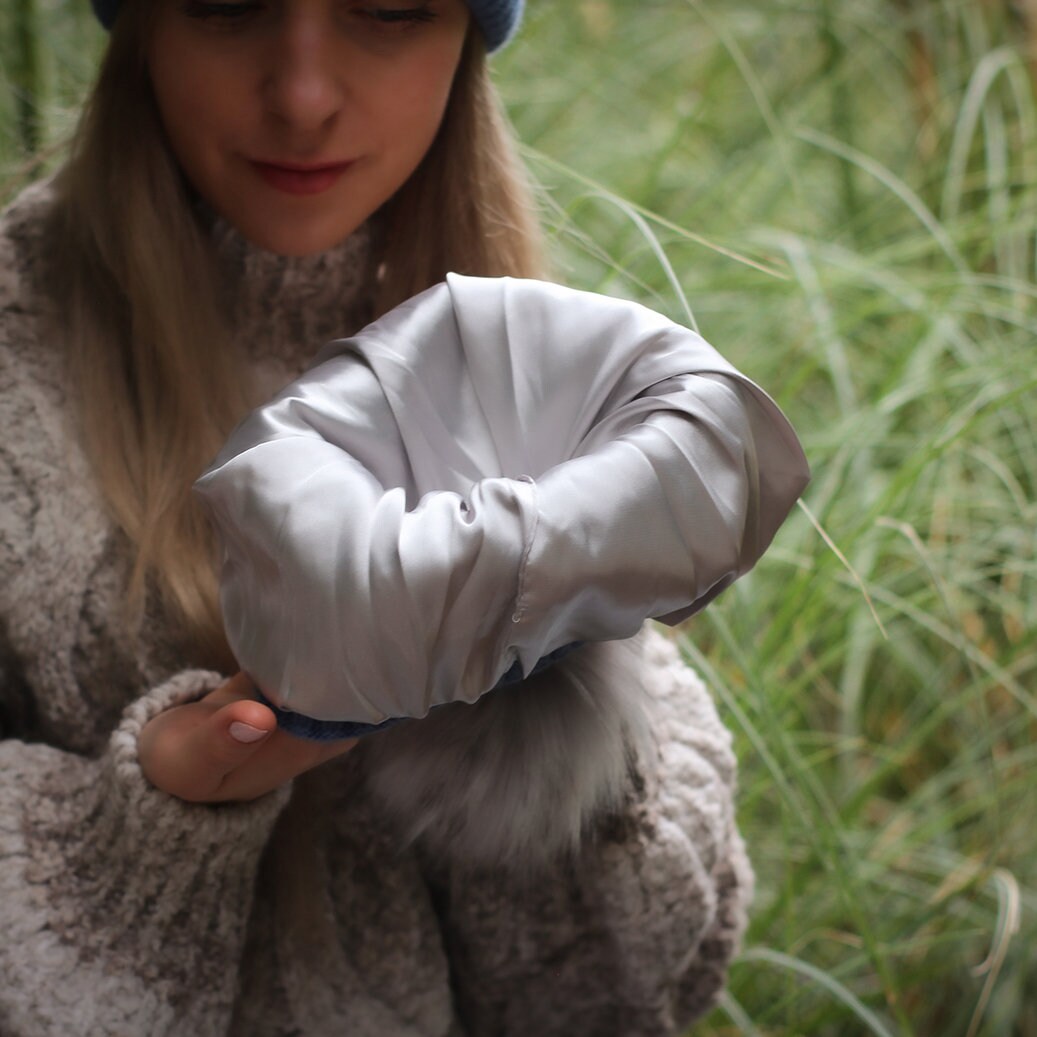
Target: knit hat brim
497, 19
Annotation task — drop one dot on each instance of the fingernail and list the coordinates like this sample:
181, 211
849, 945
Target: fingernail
242, 732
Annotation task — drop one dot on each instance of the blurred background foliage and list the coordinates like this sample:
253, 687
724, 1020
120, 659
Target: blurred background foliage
843, 198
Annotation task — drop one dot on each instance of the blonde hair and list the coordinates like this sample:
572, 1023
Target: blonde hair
158, 384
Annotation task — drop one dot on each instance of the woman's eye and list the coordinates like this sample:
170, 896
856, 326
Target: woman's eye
384, 17
402, 16
224, 10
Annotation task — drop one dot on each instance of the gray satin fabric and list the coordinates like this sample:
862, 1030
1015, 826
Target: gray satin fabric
493, 470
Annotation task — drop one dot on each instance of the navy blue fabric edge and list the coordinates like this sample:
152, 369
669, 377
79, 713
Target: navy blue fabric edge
302, 726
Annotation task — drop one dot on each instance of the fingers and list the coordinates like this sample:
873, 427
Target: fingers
226, 747
278, 759
188, 751
242, 745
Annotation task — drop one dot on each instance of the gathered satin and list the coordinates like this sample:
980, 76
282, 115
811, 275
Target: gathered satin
495, 469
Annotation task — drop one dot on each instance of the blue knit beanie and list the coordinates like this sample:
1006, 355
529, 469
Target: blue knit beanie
497, 19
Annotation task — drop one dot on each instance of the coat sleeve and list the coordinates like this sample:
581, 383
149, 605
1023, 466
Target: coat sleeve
633, 936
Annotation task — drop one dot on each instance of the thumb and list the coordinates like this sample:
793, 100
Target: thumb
235, 731
226, 740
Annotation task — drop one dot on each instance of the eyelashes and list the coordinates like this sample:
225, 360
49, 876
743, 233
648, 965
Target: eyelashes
374, 14
397, 15
206, 9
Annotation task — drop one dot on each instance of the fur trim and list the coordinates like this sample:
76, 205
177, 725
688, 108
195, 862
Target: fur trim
515, 779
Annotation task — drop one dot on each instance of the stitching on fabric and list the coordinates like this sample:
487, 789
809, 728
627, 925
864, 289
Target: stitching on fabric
520, 607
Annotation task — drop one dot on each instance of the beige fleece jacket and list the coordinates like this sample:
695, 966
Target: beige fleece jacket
125, 911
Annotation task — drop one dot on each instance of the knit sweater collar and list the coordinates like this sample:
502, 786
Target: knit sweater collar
285, 308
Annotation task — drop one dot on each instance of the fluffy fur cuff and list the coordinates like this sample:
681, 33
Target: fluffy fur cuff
515, 779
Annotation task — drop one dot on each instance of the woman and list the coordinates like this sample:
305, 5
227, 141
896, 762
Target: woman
250, 179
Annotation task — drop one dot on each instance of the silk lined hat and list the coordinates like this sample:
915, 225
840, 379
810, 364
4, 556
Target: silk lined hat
492, 472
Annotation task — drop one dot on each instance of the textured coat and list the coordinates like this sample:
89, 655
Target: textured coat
310, 911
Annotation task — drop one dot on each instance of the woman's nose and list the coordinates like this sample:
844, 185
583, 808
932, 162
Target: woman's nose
304, 86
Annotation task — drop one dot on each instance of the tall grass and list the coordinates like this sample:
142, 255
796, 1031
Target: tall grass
843, 198
48, 52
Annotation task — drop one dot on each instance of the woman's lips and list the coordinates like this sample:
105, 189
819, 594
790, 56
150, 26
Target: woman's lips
300, 179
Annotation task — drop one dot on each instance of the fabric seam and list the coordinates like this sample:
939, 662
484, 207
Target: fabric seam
520, 607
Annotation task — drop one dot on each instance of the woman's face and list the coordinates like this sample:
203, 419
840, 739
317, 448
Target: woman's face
296, 119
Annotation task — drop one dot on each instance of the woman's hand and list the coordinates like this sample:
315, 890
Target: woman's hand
226, 747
